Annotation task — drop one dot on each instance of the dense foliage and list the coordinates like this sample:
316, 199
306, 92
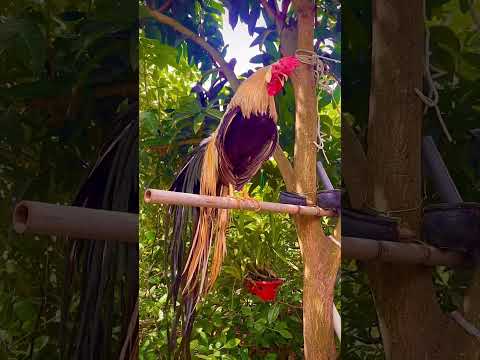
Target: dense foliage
65, 69
182, 98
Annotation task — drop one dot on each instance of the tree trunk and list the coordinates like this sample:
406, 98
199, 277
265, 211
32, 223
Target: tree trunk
320, 257
412, 323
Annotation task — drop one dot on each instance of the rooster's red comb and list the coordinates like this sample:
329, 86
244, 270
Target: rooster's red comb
287, 64
281, 69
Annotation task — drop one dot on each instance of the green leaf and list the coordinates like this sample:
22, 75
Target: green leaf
235, 272
232, 343
271, 356
472, 59
203, 337
257, 59
285, 333
261, 38
143, 11
445, 36
242, 7
157, 53
194, 345
465, 5
337, 94
150, 120
155, 142
260, 325
271, 49
214, 113
197, 122
27, 39
25, 310
273, 313
324, 99
443, 59
41, 342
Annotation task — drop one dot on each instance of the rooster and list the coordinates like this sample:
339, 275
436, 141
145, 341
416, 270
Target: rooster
245, 138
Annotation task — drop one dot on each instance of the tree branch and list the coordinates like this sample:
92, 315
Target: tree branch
268, 9
215, 54
285, 168
283, 163
285, 5
272, 13
166, 5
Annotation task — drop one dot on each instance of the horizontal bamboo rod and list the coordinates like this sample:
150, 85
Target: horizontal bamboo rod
76, 222
398, 252
178, 198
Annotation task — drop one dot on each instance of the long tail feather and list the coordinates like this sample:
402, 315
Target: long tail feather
197, 262
183, 224
189, 278
104, 275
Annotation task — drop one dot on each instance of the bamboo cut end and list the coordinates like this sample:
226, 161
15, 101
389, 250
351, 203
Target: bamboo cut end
20, 218
148, 195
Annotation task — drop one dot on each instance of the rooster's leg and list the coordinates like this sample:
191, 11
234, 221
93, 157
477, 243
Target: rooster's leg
243, 195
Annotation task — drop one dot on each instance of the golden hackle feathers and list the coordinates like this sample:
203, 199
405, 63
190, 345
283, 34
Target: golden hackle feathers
220, 241
252, 96
197, 261
208, 182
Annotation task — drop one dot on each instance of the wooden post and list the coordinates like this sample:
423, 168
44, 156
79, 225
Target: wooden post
321, 258
76, 222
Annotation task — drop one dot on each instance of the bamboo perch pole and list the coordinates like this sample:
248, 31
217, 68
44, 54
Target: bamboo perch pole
76, 222
396, 252
178, 198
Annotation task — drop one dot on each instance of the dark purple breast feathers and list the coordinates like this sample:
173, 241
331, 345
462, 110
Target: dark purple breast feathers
243, 144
